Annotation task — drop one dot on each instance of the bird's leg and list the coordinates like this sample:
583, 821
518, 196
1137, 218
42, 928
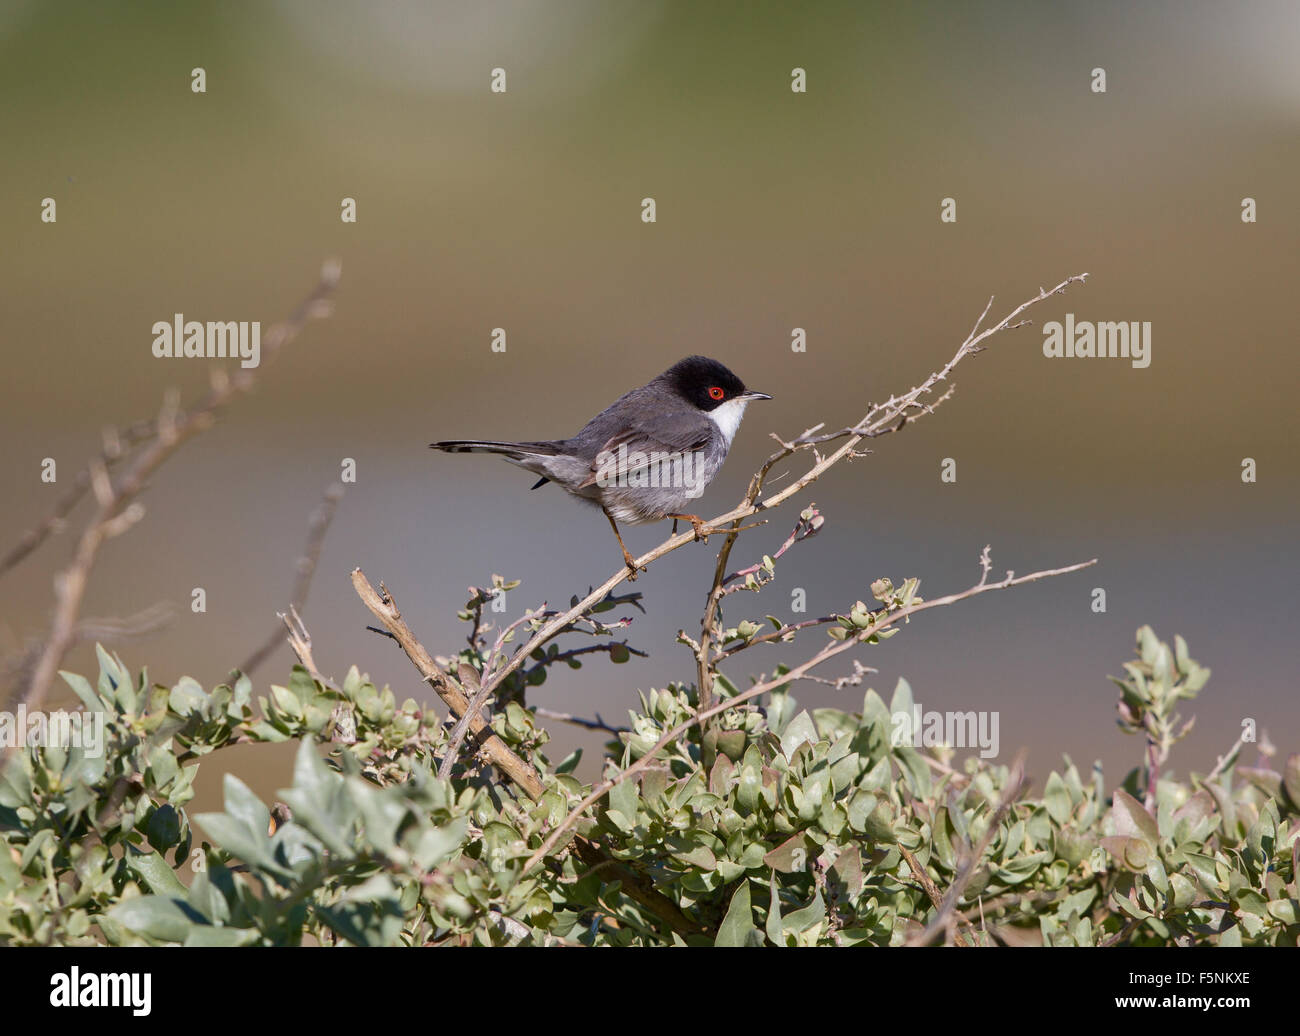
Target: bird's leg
702, 531
628, 559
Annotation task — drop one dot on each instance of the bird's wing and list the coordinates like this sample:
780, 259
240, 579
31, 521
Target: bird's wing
662, 433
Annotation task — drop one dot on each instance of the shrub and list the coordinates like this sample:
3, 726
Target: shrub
776, 825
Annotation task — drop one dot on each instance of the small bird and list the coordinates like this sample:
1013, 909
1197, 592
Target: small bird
649, 453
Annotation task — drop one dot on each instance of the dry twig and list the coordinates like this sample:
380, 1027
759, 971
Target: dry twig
317, 527
117, 509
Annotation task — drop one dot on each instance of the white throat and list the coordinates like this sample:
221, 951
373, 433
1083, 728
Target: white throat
727, 418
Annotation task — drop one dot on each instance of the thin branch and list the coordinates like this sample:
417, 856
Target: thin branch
471, 679
786, 632
468, 678
116, 445
810, 520
590, 649
107, 630
708, 625
1121, 935
115, 498
305, 567
927, 884
300, 641
502, 637
803, 529
578, 721
1228, 758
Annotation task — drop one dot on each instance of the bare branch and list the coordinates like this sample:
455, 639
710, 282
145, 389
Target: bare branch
305, 567
803, 529
607, 647
468, 678
1228, 758
589, 724
926, 882
115, 497
116, 445
108, 630
300, 640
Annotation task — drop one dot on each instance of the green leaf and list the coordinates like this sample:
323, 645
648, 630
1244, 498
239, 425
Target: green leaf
233, 836
1056, 797
791, 856
155, 917
780, 710
244, 806
738, 926
163, 767
1203, 866
1133, 853
153, 870
319, 803
435, 845
111, 674
380, 815
805, 917
799, 730
287, 702
1132, 820
623, 799
81, 687
1013, 872
901, 703
701, 856
186, 697
369, 915
775, 933
916, 771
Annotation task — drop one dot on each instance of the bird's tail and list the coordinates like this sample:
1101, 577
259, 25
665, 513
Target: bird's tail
513, 450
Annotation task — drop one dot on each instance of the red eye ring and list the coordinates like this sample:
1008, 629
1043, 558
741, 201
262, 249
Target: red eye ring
716, 392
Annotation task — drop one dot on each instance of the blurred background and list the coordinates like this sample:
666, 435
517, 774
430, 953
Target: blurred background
775, 210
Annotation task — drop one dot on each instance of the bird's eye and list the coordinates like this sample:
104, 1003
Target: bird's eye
716, 393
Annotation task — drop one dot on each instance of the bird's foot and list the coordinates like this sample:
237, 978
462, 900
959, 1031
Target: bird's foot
632, 570
702, 530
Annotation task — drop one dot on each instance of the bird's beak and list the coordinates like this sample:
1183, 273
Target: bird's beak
754, 395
